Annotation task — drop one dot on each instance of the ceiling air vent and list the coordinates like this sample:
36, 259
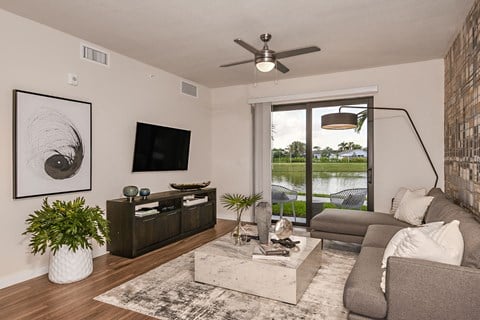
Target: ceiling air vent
189, 89
95, 55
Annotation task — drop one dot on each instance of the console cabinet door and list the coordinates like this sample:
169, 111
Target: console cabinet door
190, 218
169, 225
207, 214
146, 231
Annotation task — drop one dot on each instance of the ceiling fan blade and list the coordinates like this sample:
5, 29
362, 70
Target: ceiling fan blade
246, 46
281, 67
296, 52
236, 63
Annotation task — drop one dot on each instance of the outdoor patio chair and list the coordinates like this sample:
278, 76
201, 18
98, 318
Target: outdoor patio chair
282, 195
349, 198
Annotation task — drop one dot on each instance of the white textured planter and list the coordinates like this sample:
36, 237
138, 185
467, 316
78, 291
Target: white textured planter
67, 266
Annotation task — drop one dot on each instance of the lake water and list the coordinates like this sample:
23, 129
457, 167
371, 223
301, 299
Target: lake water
323, 182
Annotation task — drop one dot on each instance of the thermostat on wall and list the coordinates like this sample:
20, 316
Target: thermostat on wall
72, 79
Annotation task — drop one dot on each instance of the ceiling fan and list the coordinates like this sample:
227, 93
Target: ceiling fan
266, 59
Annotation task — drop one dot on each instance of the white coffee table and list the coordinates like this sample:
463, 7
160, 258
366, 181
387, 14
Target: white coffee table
220, 263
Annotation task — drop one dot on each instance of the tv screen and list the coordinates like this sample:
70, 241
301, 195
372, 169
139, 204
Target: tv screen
159, 148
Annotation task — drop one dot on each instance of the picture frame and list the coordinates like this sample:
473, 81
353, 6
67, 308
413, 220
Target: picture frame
52, 145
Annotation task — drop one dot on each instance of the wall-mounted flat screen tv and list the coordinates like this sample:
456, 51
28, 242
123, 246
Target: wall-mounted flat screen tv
159, 148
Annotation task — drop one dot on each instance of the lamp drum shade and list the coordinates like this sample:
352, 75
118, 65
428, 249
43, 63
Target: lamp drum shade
339, 121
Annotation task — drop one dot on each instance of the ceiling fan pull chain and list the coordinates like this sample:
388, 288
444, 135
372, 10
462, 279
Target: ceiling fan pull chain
254, 77
276, 74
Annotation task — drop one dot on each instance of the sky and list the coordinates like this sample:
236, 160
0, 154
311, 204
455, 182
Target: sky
289, 126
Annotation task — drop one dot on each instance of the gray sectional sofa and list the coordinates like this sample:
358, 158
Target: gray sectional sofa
415, 289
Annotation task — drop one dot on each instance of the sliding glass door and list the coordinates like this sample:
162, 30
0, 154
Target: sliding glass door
315, 168
289, 150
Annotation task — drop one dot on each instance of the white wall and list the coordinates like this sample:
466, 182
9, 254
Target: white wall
37, 58
399, 159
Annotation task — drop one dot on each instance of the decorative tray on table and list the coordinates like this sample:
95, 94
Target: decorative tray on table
189, 186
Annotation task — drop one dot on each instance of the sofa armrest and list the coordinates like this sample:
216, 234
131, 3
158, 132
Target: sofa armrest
419, 289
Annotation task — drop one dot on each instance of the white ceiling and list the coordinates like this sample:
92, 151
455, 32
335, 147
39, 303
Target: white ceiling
191, 38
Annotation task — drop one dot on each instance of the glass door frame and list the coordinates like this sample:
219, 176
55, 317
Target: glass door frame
308, 107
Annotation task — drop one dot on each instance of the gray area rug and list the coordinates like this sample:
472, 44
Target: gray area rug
169, 292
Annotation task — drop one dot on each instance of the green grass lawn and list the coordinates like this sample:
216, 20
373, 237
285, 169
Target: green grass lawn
320, 167
300, 208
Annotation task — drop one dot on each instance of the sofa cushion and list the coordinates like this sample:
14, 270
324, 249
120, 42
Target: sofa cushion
336, 236
443, 209
470, 229
435, 192
362, 293
354, 222
379, 235
435, 207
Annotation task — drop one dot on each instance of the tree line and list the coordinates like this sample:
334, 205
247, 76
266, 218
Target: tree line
298, 149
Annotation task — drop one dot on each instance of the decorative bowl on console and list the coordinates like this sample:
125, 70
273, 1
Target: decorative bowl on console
144, 192
130, 192
189, 186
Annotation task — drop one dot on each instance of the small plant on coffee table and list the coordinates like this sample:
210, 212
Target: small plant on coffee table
239, 203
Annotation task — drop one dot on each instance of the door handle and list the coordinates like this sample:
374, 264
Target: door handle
369, 175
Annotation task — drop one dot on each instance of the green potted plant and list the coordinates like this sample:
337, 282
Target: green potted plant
239, 203
67, 228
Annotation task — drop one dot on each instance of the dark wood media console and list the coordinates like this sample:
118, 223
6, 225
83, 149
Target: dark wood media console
144, 225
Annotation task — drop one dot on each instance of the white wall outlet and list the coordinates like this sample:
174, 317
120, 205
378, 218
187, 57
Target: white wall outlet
72, 79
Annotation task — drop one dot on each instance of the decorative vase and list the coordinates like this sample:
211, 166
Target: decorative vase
130, 192
283, 228
263, 219
239, 234
67, 266
144, 192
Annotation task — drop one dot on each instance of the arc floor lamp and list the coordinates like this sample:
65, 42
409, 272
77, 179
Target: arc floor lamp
346, 120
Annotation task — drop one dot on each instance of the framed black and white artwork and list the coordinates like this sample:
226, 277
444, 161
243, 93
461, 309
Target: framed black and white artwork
52, 145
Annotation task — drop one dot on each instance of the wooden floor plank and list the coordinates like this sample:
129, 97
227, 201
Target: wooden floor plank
40, 299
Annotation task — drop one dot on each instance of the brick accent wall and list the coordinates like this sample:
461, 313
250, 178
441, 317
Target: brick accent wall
462, 114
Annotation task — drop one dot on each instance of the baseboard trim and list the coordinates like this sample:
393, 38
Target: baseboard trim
22, 276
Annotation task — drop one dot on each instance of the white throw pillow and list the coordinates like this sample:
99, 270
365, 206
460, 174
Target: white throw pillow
399, 196
412, 208
402, 234
444, 244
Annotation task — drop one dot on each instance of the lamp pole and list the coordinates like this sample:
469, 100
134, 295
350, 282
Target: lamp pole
414, 129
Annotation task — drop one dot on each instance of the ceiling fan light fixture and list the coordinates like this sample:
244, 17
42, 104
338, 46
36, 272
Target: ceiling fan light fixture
265, 64
266, 59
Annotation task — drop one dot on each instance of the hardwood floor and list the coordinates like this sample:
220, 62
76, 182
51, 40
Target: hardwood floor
40, 299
